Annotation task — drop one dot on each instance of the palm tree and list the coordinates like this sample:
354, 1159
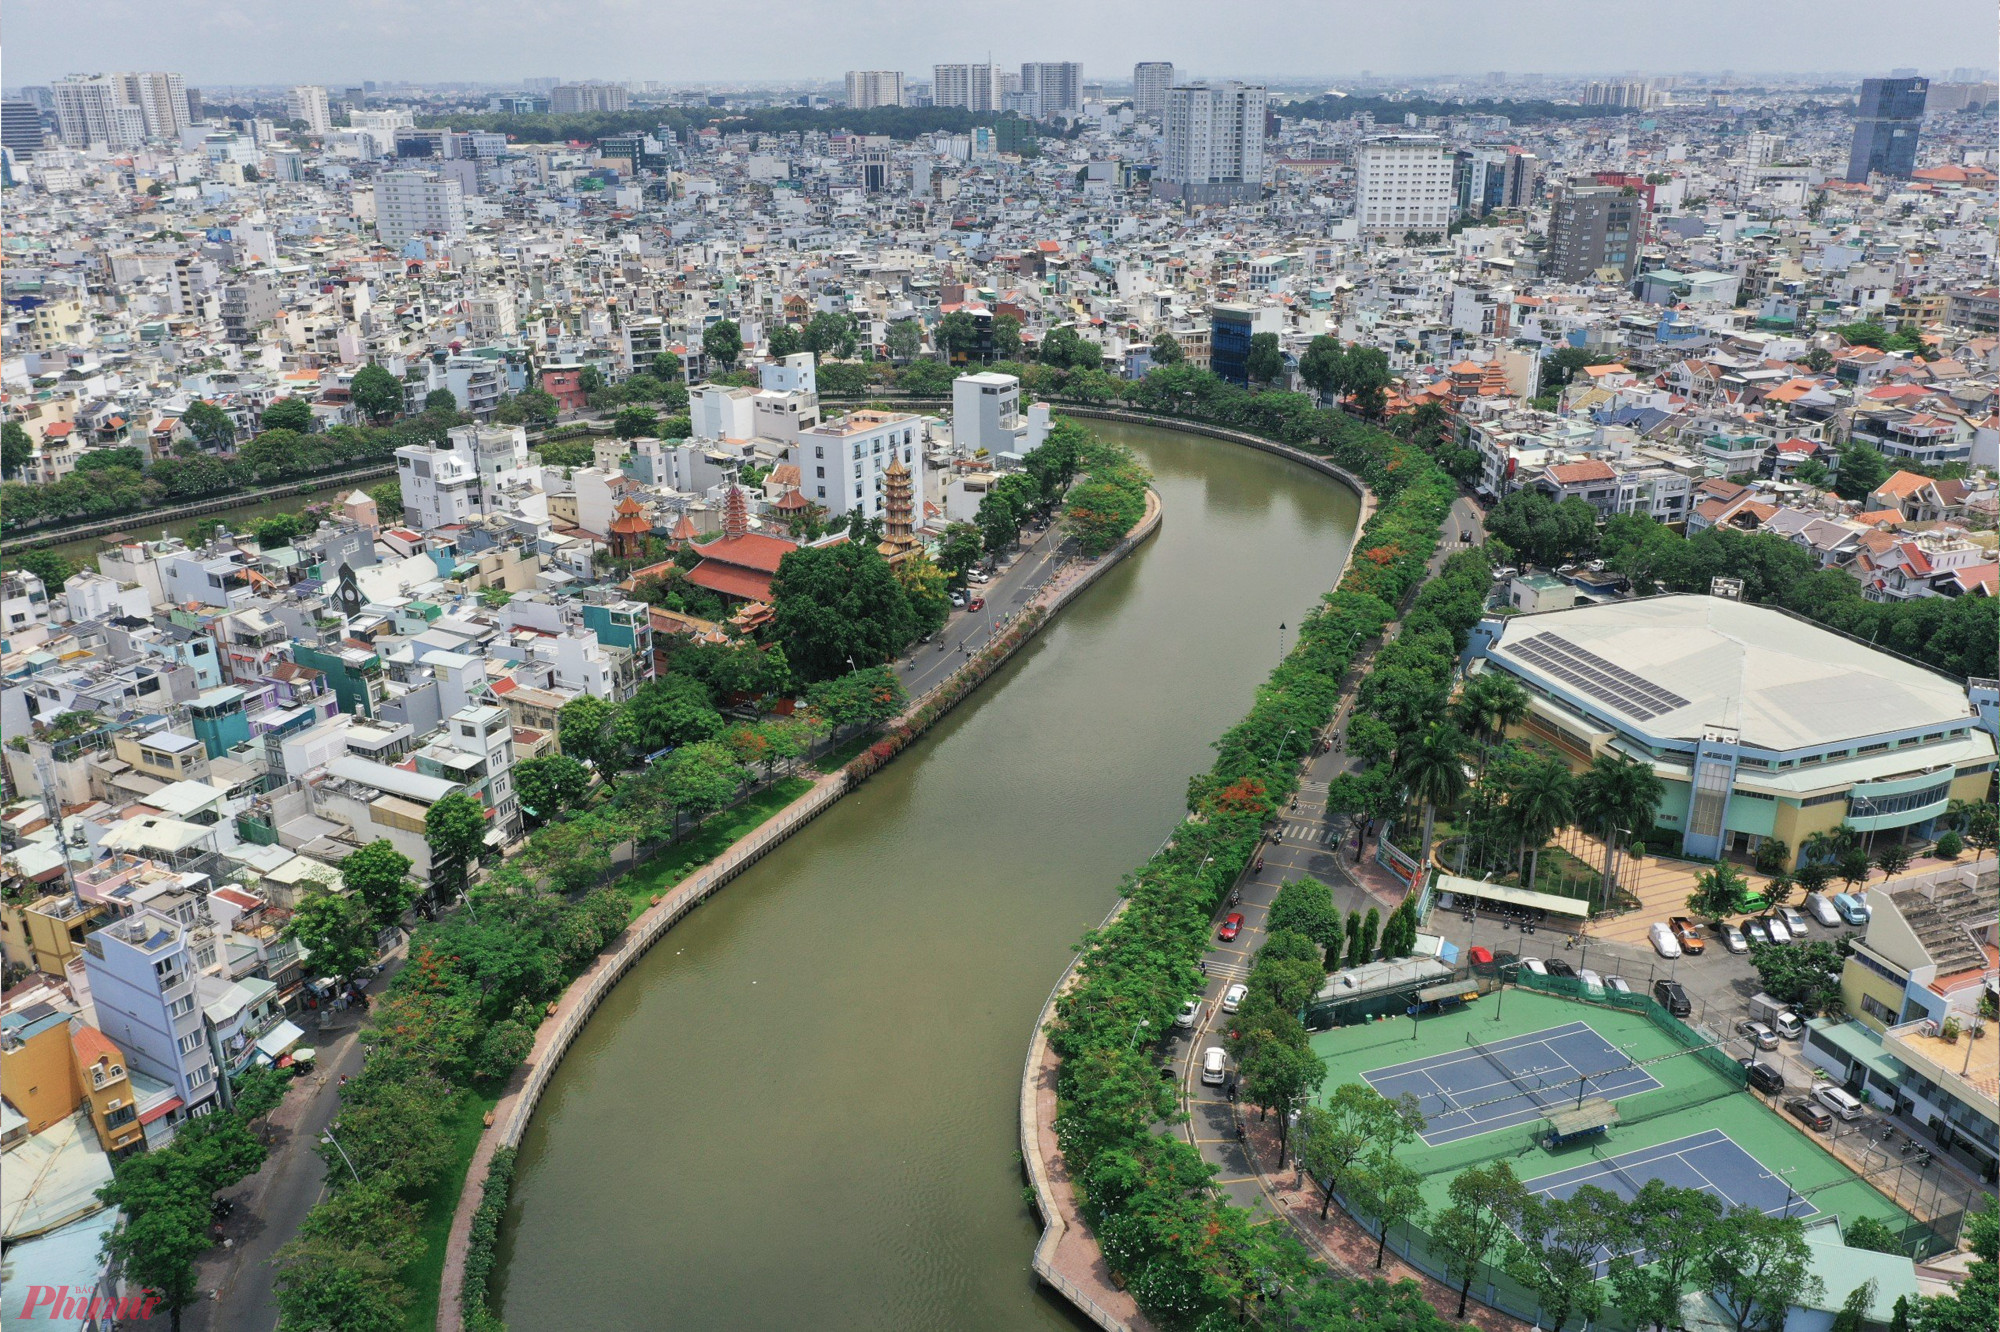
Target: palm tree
1854, 866
1616, 793
1542, 801
1488, 705
1718, 893
1433, 771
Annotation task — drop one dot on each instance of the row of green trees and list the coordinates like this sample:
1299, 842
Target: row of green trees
1109, 501
1187, 1255
109, 482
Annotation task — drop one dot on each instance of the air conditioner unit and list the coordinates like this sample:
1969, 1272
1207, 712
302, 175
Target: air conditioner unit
113, 1104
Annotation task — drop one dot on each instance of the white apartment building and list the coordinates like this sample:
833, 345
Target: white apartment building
468, 477
1057, 83
418, 203
162, 102
380, 127
986, 414
1150, 81
140, 976
307, 103
1402, 183
973, 87
1214, 144
874, 87
841, 461
95, 109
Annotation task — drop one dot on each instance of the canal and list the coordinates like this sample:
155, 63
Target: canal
799, 1110
83, 550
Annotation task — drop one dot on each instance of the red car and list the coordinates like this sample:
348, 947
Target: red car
978, 604
1232, 925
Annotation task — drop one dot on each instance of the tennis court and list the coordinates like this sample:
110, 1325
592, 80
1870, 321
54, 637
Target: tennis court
1516, 1080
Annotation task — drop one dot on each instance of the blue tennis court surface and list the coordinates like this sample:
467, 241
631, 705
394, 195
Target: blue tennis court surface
1710, 1161
1513, 1081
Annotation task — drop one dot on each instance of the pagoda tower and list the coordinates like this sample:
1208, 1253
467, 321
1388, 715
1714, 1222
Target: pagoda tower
628, 530
735, 513
899, 538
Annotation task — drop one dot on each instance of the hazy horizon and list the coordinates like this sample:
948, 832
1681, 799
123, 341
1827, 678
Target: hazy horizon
253, 43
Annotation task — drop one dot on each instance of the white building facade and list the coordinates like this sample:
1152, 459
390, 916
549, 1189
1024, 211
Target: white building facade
1403, 183
418, 203
1214, 144
842, 461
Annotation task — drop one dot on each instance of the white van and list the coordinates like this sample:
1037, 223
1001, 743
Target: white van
1213, 1065
1836, 1100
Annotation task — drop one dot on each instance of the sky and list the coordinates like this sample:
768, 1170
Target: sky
256, 42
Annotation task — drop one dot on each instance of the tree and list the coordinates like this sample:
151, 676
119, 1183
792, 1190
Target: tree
550, 784
1806, 975
1275, 1075
1558, 1259
634, 421
277, 531
1618, 795
1542, 799
927, 588
1970, 1308
584, 730
1977, 820
1324, 365
667, 368
455, 831
1853, 1315
1486, 1204
1862, 469
835, 608
1167, 350
722, 343
1661, 1243
1006, 505
1854, 866
327, 1287
1382, 1187
1265, 361
1099, 515
702, 778
209, 424
957, 334
828, 334
905, 340
859, 698
1433, 772
1355, 1121
1006, 338
1892, 858
156, 1251
379, 875
1759, 1267
376, 392
958, 550
783, 341
288, 414
336, 930
441, 400
1060, 346
668, 712
1719, 892
1865, 1232
1306, 905
575, 855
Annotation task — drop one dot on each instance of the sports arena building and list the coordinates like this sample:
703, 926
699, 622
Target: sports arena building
1761, 724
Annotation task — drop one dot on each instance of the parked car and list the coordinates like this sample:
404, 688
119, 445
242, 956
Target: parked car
1617, 985
1793, 921
1837, 1100
1822, 909
1760, 1035
1558, 967
1853, 908
977, 604
1776, 928
958, 599
1592, 982
1534, 964
1233, 997
1672, 997
1810, 1113
1232, 925
1733, 940
1214, 1065
1662, 938
1755, 932
1190, 1014
1790, 1026
979, 576
1762, 1077
1689, 935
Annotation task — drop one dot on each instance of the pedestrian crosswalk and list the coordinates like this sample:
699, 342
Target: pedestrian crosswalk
1229, 972
1312, 834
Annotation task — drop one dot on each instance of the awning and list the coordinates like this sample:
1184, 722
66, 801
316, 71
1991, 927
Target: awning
1520, 897
1431, 994
1594, 1113
168, 1106
279, 1040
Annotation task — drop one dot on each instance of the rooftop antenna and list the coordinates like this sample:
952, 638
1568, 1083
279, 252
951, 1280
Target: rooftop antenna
51, 805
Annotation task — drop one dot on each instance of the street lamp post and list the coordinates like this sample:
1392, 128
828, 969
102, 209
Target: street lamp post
327, 1136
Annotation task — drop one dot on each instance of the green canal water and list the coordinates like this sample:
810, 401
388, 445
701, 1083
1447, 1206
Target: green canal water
799, 1111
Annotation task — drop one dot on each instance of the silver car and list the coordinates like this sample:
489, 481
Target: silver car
1760, 1035
1754, 931
1776, 928
1732, 939
1794, 921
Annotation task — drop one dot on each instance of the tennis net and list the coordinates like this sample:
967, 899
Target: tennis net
1536, 1094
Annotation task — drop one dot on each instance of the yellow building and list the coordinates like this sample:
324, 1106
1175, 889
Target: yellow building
45, 934
38, 1067
107, 1088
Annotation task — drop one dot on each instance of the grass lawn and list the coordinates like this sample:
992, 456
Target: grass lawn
676, 862
846, 752
425, 1275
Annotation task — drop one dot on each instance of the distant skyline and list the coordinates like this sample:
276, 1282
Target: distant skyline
256, 42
